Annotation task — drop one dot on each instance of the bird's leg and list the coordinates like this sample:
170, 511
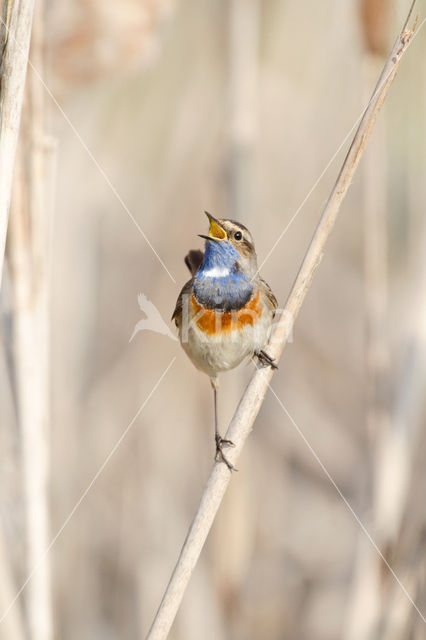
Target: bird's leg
265, 359
220, 442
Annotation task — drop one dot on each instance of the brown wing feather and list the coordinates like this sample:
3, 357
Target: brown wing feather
193, 261
268, 292
177, 313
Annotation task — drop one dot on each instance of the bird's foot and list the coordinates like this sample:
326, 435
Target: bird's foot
220, 456
265, 360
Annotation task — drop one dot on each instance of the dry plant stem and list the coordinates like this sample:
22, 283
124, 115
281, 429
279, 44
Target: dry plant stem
13, 70
28, 242
398, 465
254, 394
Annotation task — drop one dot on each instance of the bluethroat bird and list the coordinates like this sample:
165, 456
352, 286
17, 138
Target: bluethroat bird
224, 313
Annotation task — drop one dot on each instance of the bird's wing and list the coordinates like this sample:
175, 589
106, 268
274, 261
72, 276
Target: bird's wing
177, 313
194, 260
271, 299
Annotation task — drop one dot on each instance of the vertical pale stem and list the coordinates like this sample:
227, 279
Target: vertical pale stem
408, 414
376, 280
29, 250
13, 73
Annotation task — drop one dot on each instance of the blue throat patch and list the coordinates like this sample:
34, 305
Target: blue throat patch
219, 283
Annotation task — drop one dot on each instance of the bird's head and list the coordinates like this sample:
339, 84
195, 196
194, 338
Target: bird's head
229, 243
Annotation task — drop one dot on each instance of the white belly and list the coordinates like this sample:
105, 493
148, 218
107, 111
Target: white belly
215, 353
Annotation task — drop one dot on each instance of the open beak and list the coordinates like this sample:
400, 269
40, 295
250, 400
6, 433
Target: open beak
216, 231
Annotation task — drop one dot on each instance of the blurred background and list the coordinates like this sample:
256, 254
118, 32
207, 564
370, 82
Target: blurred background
139, 115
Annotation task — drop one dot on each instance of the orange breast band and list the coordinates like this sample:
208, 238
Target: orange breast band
214, 322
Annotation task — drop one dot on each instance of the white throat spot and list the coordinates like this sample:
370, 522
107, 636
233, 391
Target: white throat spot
217, 272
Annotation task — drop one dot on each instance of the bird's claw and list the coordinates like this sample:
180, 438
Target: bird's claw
265, 360
220, 456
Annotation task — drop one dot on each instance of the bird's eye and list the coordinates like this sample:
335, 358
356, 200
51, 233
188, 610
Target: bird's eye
238, 235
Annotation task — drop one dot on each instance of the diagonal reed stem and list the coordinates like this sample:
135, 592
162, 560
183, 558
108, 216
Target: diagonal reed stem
251, 401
